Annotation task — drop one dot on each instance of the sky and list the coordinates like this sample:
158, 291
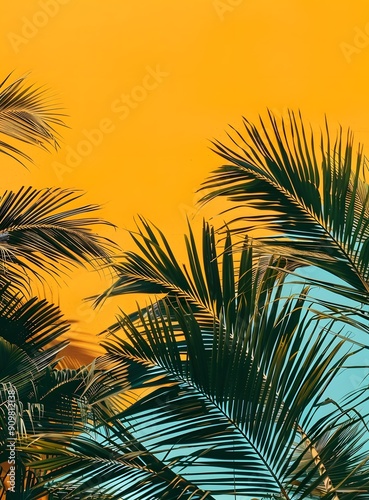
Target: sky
147, 85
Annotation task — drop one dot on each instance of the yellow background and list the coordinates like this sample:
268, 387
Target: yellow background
218, 60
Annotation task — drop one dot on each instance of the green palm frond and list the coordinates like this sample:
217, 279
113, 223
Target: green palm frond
239, 371
30, 347
47, 399
156, 270
55, 407
209, 281
42, 231
18, 368
25, 375
28, 331
310, 192
230, 404
96, 456
344, 456
26, 115
30, 324
97, 465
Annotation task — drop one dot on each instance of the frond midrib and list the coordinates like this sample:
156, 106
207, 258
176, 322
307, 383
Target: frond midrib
305, 210
189, 383
193, 298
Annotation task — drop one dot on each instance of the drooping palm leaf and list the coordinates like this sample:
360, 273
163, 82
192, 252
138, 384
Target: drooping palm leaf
47, 399
310, 193
57, 402
26, 115
43, 231
73, 458
157, 271
28, 333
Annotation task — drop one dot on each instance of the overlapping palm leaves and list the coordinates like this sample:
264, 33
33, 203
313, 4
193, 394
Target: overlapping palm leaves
42, 233
53, 404
311, 194
80, 448
216, 387
28, 353
40, 230
239, 371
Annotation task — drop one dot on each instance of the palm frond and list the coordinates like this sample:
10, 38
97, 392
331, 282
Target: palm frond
97, 456
29, 324
215, 389
230, 403
229, 355
26, 115
310, 193
210, 281
156, 270
96, 465
42, 231
238, 367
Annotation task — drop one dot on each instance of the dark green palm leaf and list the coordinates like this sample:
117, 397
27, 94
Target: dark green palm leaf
96, 465
29, 324
28, 333
231, 403
42, 231
237, 381
156, 270
208, 281
28, 329
309, 192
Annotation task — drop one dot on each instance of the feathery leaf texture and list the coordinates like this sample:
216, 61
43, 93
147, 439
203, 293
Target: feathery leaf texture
310, 193
42, 231
240, 372
26, 115
216, 387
